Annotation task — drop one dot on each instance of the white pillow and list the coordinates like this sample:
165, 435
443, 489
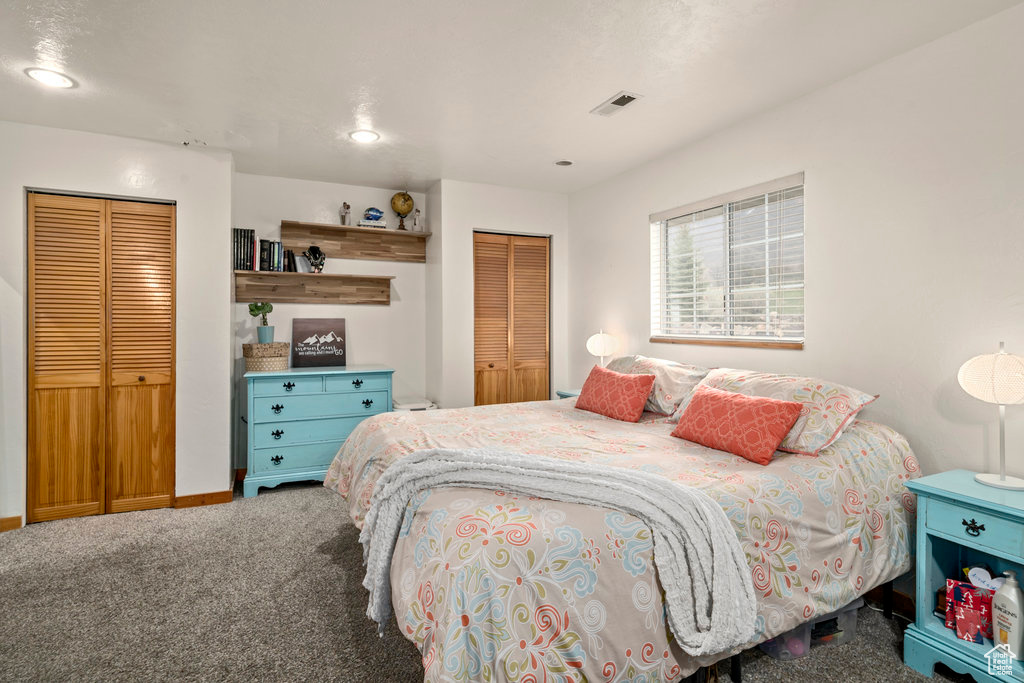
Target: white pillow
673, 381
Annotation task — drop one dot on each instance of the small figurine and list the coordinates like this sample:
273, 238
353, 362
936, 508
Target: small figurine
417, 225
316, 258
345, 212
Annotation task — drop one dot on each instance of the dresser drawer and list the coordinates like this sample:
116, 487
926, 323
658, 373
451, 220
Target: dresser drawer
999, 534
281, 408
304, 431
306, 456
288, 386
356, 382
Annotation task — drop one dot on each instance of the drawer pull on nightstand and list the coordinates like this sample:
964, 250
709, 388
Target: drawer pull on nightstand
357, 383
973, 528
288, 386
277, 433
277, 408
367, 402
277, 459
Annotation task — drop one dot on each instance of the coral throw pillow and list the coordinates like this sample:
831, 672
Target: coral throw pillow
750, 426
614, 394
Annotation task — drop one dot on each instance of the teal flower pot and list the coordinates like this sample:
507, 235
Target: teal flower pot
265, 334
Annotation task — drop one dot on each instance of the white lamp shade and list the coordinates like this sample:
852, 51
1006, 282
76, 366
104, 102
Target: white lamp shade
994, 378
601, 344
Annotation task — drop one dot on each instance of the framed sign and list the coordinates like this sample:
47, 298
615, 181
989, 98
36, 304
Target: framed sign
317, 342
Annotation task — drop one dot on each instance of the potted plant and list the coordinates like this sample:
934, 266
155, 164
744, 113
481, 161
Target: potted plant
265, 332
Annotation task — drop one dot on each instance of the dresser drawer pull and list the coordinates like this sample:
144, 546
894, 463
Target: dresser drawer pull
973, 528
367, 402
277, 408
277, 433
357, 383
277, 459
288, 386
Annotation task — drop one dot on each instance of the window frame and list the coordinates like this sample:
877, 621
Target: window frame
659, 297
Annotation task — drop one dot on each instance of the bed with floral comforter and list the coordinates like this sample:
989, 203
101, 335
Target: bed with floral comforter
493, 587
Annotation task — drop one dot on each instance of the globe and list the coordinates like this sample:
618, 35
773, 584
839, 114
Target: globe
401, 204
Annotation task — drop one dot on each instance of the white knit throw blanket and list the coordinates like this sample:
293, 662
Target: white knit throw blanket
708, 589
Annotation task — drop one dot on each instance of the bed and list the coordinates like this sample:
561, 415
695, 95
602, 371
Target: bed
491, 586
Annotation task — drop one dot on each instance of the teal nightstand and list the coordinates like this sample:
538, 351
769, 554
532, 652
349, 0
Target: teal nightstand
562, 393
959, 522
299, 418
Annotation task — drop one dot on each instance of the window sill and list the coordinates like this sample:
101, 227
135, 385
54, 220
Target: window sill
750, 343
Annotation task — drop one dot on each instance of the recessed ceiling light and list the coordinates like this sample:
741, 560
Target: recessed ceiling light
53, 79
563, 162
364, 136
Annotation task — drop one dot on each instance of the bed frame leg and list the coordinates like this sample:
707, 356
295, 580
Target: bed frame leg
887, 599
698, 676
736, 669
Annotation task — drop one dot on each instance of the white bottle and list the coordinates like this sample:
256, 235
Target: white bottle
1008, 616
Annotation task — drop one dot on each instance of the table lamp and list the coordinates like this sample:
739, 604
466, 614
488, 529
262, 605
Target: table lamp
996, 378
601, 345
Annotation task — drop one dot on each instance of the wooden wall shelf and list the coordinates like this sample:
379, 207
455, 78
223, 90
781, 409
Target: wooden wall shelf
346, 241
312, 288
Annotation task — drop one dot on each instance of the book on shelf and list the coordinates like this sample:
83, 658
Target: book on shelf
367, 223
241, 249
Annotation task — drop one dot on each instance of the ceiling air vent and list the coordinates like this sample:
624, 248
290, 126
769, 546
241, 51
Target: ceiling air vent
615, 103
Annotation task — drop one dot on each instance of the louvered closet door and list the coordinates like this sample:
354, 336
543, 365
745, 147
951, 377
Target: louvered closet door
491, 318
66, 360
140, 468
530, 319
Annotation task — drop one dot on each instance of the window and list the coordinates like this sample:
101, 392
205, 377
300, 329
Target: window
730, 269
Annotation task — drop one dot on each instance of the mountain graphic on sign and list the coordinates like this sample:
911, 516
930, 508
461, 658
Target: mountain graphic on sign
310, 340
325, 339
329, 337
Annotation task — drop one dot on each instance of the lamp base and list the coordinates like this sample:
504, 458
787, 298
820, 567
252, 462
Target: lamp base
1013, 483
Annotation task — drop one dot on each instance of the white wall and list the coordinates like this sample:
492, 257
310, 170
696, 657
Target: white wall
200, 182
465, 207
914, 243
389, 335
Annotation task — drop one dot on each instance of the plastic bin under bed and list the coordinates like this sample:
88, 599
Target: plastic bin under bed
835, 628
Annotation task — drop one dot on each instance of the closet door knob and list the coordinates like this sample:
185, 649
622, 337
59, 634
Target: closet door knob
357, 383
277, 459
277, 408
277, 433
367, 403
142, 378
490, 365
288, 386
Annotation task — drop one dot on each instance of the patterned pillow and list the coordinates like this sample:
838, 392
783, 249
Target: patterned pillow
828, 408
614, 394
750, 426
673, 381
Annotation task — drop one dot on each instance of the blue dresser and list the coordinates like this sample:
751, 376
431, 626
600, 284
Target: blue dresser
960, 522
299, 418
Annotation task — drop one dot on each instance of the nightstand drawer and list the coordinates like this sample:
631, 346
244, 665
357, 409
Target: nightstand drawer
361, 383
307, 456
998, 534
288, 386
319, 405
272, 434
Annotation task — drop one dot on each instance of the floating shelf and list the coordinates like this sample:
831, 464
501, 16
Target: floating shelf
346, 241
312, 288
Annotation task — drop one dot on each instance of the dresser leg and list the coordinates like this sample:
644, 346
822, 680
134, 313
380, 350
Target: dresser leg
250, 489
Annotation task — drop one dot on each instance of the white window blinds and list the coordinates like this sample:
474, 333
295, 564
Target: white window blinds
731, 267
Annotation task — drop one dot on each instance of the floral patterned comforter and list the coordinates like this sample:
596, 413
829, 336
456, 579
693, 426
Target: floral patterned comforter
492, 587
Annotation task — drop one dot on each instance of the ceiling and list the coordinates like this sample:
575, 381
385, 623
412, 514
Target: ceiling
482, 90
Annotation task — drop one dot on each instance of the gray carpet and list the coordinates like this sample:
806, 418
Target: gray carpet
265, 588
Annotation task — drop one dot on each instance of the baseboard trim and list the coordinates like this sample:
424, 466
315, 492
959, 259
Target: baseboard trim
213, 498
240, 474
10, 523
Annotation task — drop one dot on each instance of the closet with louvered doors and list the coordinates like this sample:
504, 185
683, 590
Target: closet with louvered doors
100, 356
511, 275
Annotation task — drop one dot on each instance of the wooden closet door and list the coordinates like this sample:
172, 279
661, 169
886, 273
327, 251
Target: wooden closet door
140, 436
66, 359
491, 318
530, 319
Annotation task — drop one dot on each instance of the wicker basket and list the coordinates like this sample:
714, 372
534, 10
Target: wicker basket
265, 357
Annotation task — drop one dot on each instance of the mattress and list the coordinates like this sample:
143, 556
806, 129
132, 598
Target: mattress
493, 587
